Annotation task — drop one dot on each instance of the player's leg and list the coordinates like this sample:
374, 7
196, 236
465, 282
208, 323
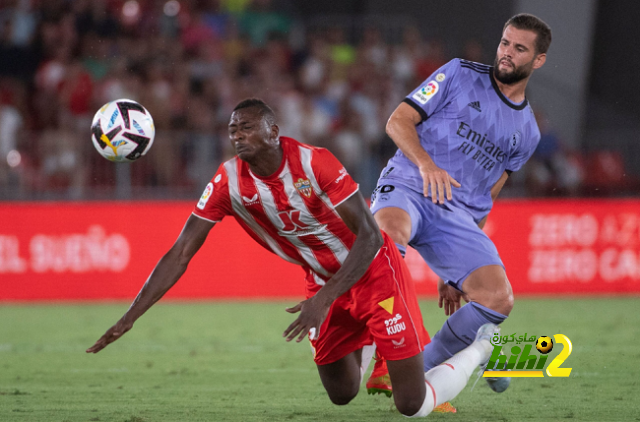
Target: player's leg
458, 251
388, 303
396, 210
344, 345
341, 379
379, 381
489, 286
409, 387
491, 301
490, 291
396, 222
393, 211
442, 383
447, 380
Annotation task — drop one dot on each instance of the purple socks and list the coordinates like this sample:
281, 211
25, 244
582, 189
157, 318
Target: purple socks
458, 332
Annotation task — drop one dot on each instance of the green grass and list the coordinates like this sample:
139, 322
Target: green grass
228, 362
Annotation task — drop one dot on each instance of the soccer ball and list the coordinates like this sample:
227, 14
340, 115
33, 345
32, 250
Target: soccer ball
544, 344
122, 130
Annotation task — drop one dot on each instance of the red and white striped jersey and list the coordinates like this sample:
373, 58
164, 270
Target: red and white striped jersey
292, 212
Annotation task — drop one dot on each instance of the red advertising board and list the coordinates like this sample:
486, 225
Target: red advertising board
561, 247
78, 251
107, 250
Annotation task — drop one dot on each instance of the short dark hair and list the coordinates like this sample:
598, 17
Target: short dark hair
265, 111
526, 21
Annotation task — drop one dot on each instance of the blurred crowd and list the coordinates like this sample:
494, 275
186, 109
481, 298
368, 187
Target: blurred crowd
189, 62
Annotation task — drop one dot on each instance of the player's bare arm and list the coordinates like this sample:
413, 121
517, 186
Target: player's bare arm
401, 128
495, 191
313, 311
449, 297
166, 273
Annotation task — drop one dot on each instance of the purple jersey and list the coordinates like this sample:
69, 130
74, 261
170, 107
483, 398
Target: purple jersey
471, 130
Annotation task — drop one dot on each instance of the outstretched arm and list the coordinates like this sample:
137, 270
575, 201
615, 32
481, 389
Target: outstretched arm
356, 215
401, 128
166, 273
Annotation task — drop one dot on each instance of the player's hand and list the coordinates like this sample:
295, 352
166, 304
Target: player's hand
112, 334
312, 314
439, 181
449, 298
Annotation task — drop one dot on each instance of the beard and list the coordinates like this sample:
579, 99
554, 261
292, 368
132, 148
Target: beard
516, 75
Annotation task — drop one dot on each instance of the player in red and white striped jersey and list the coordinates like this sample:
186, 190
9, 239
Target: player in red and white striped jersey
300, 203
291, 212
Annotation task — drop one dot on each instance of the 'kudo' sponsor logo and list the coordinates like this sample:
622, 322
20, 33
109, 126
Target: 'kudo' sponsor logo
394, 326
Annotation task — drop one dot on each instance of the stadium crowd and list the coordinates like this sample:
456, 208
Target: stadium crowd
189, 62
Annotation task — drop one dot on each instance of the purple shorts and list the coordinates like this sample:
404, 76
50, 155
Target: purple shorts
446, 237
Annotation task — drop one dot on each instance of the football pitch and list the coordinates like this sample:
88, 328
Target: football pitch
227, 361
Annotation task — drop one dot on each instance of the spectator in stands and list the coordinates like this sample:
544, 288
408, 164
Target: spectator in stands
554, 169
199, 58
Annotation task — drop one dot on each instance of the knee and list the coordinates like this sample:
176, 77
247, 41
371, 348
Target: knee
504, 299
341, 398
507, 303
490, 287
409, 406
342, 393
501, 301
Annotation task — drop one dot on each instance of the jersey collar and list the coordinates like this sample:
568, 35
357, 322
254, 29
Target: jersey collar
282, 170
504, 99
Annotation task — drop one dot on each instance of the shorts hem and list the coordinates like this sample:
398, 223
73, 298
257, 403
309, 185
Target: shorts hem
403, 356
330, 360
407, 206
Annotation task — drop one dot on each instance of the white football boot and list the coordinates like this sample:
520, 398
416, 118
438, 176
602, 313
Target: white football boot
497, 384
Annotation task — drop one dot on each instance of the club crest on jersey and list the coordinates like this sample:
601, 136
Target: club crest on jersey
304, 187
515, 139
426, 92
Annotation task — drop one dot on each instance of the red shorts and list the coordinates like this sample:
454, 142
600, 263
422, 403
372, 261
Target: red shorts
381, 307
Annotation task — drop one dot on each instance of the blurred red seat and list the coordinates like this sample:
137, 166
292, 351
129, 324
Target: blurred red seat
606, 174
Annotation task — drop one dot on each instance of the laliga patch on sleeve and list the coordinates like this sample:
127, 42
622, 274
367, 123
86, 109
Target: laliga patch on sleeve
205, 196
426, 92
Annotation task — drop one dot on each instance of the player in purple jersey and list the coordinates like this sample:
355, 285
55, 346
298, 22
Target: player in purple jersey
459, 136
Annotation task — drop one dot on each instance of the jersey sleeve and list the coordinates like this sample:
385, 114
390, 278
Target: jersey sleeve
215, 201
522, 148
436, 91
332, 177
